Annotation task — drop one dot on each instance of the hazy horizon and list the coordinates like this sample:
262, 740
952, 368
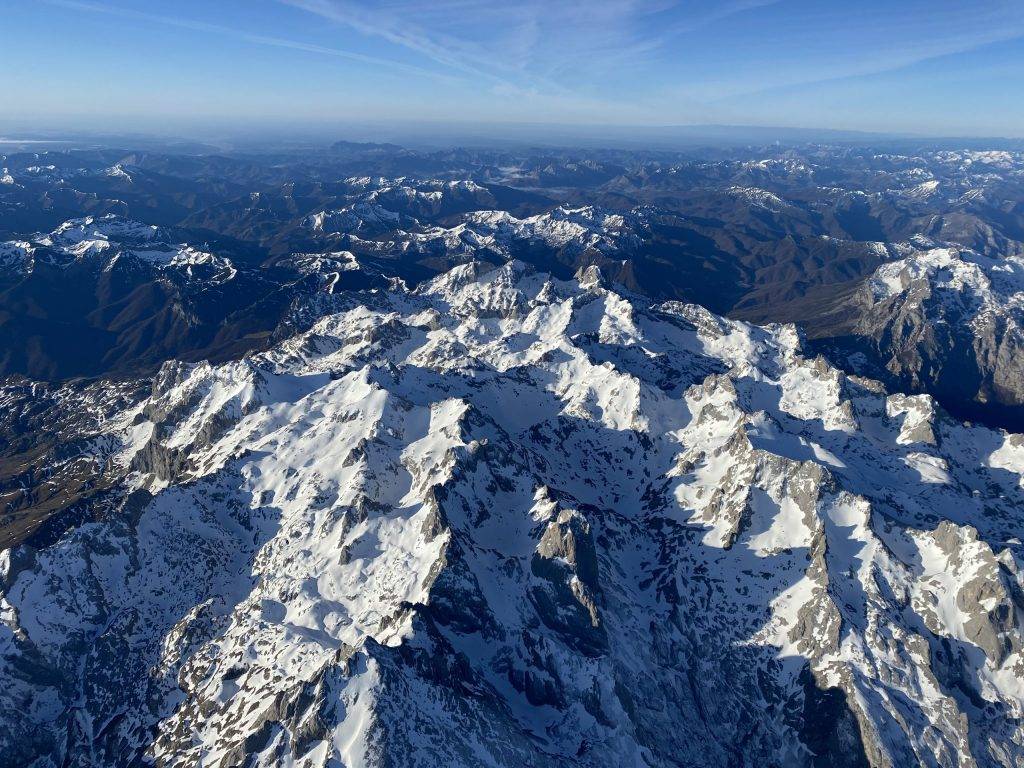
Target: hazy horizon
225, 136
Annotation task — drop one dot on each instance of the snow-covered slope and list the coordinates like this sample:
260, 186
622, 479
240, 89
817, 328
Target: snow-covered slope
506, 520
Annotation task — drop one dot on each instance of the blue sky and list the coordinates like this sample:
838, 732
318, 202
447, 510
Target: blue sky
933, 68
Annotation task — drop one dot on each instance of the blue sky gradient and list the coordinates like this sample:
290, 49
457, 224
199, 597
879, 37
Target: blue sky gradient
929, 68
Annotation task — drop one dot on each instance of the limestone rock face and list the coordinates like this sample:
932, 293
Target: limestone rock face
947, 319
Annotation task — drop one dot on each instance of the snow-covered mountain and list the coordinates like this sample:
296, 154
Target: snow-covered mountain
106, 240
103, 294
491, 233
948, 318
564, 233
16, 257
507, 520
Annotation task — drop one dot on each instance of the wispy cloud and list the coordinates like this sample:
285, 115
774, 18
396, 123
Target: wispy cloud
255, 39
394, 24
868, 63
539, 45
545, 57
649, 61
